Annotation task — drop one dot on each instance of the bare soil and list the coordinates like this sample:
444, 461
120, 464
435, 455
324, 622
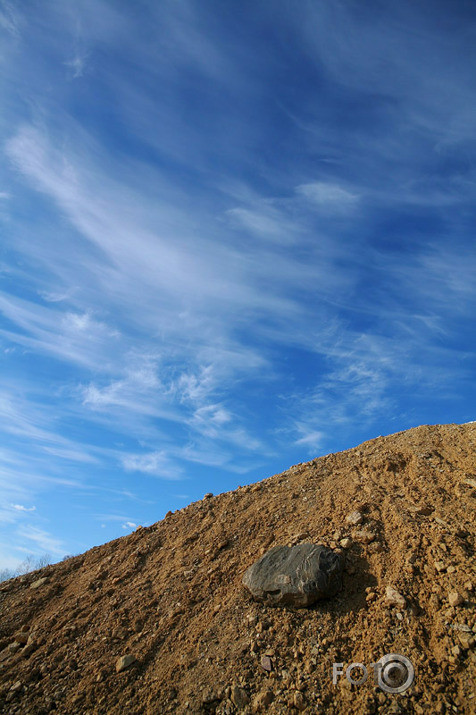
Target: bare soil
171, 596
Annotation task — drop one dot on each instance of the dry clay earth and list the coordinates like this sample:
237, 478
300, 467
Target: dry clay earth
170, 597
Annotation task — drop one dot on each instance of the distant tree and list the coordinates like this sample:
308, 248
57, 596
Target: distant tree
6, 574
31, 563
42, 561
26, 565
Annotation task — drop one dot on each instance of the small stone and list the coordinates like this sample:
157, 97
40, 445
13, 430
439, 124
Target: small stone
266, 663
455, 598
354, 518
16, 686
424, 510
345, 543
456, 651
466, 640
125, 661
21, 637
468, 586
440, 566
394, 598
262, 700
364, 536
39, 582
28, 650
239, 697
375, 548
299, 701
451, 569
208, 495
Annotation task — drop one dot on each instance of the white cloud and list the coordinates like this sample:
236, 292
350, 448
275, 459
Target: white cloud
20, 507
267, 222
178, 296
78, 64
74, 337
9, 18
328, 197
129, 525
157, 463
311, 438
40, 541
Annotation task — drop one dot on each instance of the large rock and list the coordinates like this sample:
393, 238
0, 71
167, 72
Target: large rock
295, 576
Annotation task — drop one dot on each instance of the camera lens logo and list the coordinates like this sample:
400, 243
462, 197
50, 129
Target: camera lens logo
395, 673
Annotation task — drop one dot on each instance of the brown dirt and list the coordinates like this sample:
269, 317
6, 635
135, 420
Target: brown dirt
171, 595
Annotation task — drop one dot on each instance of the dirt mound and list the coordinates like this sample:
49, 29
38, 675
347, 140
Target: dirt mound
401, 508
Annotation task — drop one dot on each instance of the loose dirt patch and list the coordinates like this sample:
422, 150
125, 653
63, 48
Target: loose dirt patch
401, 509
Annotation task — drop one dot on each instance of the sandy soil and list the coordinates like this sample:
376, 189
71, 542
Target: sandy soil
171, 596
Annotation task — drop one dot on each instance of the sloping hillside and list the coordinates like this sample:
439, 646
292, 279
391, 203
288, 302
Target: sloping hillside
171, 596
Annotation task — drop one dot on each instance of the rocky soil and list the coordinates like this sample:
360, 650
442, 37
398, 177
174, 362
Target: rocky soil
159, 622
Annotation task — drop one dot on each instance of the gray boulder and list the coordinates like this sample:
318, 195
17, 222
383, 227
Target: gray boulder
295, 576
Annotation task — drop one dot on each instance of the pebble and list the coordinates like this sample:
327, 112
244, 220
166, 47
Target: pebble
354, 517
455, 598
39, 582
239, 697
262, 700
364, 536
299, 701
394, 598
345, 543
22, 637
266, 663
125, 661
466, 640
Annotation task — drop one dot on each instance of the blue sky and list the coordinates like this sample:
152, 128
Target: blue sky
233, 237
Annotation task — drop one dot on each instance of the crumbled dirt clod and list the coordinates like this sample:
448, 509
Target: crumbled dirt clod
199, 640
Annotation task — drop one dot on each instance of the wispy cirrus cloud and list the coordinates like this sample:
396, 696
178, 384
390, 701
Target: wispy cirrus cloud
41, 541
290, 269
328, 197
